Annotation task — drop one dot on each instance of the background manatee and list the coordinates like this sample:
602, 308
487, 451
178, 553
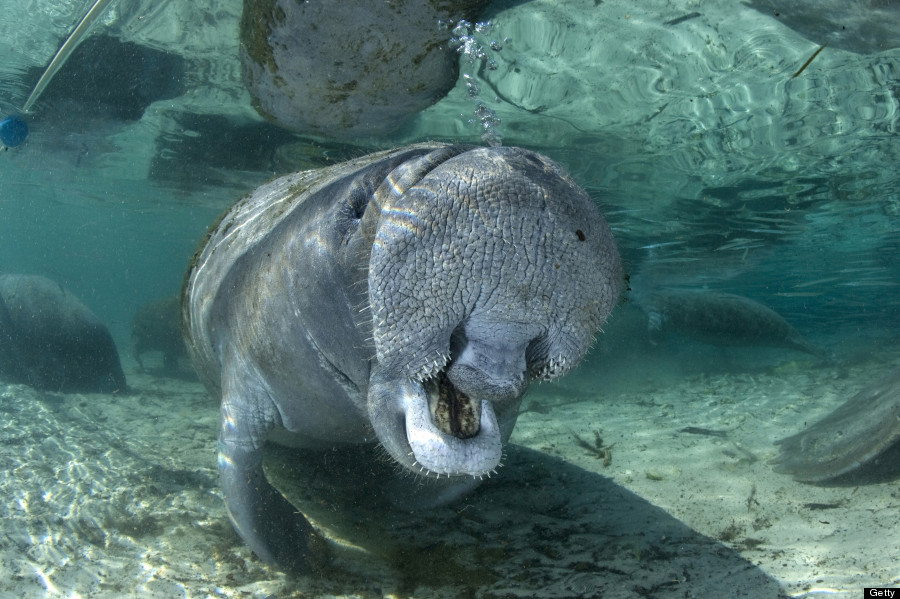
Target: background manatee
858, 442
722, 319
157, 327
349, 69
51, 341
407, 297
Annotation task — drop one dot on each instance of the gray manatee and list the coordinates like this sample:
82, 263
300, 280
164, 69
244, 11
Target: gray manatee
861, 435
53, 342
722, 319
349, 69
406, 298
157, 327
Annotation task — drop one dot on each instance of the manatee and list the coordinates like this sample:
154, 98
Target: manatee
53, 342
157, 327
861, 437
405, 299
861, 26
721, 319
349, 69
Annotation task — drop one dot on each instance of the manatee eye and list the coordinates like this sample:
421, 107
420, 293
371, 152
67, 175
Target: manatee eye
355, 205
351, 210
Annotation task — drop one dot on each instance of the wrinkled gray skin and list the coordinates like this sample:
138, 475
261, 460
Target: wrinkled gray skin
406, 297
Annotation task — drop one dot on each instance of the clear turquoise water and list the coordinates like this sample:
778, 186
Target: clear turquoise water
693, 134
715, 166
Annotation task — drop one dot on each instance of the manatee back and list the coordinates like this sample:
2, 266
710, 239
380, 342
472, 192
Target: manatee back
242, 229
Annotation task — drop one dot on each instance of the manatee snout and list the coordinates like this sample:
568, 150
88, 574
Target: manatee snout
430, 429
490, 268
496, 371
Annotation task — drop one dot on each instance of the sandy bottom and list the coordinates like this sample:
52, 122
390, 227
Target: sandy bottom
112, 496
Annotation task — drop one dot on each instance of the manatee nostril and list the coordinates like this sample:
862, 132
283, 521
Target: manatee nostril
477, 383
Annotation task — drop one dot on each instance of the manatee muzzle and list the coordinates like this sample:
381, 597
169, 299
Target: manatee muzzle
451, 433
433, 429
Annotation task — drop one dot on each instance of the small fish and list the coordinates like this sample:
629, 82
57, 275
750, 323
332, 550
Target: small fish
769, 231
696, 430
799, 293
870, 283
740, 243
816, 282
659, 245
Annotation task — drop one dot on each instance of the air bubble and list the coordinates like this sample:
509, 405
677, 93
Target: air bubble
465, 41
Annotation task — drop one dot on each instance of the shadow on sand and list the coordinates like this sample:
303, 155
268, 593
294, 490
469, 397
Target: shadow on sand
542, 528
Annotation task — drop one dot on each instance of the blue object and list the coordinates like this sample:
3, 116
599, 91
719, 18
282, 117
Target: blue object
13, 131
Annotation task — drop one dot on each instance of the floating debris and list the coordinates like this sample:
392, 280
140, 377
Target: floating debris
806, 64
682, 19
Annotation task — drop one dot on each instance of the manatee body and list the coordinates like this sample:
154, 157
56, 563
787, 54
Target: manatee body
721, 319
53, 342
405, 298
862, 434
861, 26
157, 327
349, 69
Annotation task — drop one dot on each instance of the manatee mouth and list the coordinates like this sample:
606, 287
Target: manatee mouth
451, 433
452, 411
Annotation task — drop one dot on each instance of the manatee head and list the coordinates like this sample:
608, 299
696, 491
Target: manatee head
489, 268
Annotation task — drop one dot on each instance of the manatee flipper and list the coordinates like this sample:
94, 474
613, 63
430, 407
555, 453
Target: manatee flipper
273, 528
267, 522
857, 434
